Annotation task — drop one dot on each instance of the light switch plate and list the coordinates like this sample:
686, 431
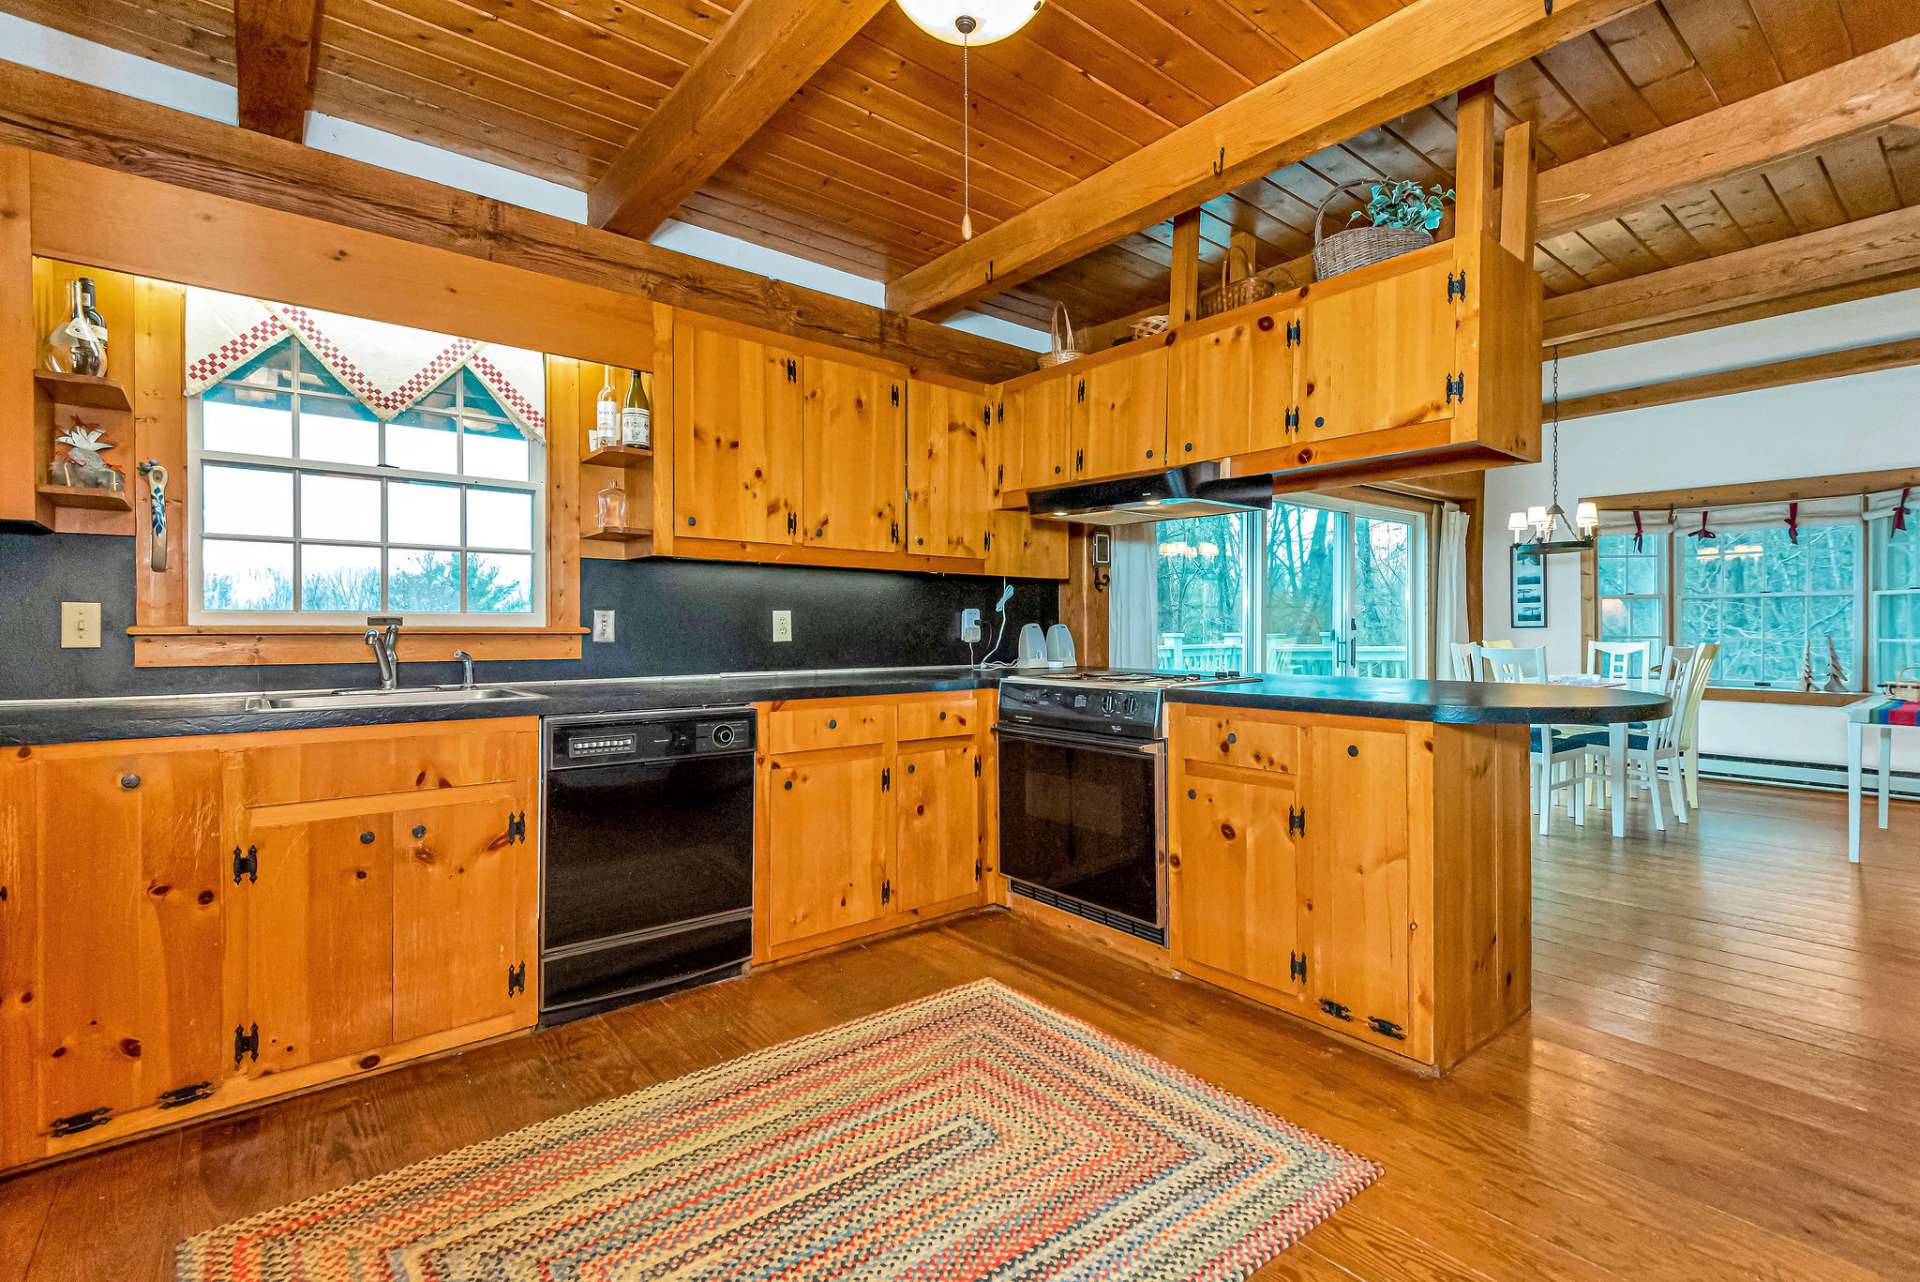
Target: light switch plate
80, 625
783, 625
603, 625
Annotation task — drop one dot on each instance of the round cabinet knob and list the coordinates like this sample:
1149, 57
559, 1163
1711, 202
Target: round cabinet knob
1192, 795
1149, 453
1189, 447
419, 830
833, 723
129, 782
788, 785
1233, 738
366, 839
943, 716
689, 520
910, 767
1353, 750
1320, 421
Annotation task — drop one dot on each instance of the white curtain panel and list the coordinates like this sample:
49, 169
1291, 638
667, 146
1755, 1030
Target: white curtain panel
1132, 608
387, 367
1450, 622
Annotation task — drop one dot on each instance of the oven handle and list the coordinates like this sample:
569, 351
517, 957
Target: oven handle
1092, 742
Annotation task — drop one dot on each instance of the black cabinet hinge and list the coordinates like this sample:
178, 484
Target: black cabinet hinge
192, 1093
1081, 394
1293, 419
247, 865
1335, 1009
517, 826
1386, 1028
886, 892
74, 1123
1000, 412
1297, 967
1079, 460
1293, 333
978, 868
793, 370
886, 778
894, 532
986, 541
896, 395
999, 474
1457, 285
793, 523
1297, 820
516, 979
246, 1043
1457, 387
986, 415
976, 767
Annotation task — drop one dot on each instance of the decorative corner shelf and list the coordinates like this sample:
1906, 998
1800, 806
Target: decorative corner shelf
82, 496
619, 456
84, 390
618, 534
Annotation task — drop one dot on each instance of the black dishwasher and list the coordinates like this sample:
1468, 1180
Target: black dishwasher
647, 865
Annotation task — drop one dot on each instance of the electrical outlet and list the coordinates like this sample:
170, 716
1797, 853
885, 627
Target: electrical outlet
783, 625
970, 626
80, 625
603, 625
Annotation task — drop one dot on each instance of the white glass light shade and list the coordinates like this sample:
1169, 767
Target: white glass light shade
993, 19
1586, 516
1537, 515
1517, 522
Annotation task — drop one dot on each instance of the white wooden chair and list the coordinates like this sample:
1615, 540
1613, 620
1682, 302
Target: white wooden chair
1620, 659
1551, 747
1465, 660
1690, 727
1654, 743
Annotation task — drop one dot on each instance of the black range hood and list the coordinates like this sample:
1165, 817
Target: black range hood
1195, 490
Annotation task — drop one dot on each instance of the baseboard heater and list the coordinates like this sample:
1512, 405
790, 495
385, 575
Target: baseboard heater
1100, 916
1818, 775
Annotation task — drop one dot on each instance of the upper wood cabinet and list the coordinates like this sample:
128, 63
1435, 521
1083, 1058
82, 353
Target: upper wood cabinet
1380, 357
1119, 415
1035, 431
737, 437
1024, 547
1210, 390
949, 469
852, 422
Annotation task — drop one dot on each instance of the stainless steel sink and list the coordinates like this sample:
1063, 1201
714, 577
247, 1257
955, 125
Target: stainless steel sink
415, 696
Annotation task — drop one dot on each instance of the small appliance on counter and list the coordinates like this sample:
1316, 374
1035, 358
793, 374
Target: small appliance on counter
1060, 653
1033, 648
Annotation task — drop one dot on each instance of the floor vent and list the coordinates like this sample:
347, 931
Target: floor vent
1100, 916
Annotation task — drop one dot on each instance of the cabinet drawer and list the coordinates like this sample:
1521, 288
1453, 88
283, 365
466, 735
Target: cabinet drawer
938, 716
383, 759
825, 723
1238, 741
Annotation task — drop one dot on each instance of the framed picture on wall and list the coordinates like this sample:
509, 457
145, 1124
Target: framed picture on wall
1529, 590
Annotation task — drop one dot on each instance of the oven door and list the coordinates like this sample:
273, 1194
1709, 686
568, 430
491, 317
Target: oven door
1083, 817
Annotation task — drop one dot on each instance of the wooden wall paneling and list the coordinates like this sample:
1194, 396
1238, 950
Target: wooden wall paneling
22, 455
852, 431
160, 434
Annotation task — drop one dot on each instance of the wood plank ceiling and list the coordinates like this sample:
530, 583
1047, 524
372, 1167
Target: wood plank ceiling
861, 169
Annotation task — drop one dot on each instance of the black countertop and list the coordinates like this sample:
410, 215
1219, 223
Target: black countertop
45, 721
1443, 702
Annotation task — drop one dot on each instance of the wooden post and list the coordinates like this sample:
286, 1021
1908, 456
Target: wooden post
1184, 298
1473, 178
21, 454
1238, 267
1083, 606
1519, 193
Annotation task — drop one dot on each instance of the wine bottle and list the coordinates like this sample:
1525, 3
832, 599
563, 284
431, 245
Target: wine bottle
78, 343
636, 418
606, 417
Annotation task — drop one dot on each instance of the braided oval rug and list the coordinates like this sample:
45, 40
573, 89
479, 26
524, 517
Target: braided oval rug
975, 1134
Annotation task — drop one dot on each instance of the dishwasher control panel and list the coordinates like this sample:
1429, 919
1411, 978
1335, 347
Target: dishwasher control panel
649, 739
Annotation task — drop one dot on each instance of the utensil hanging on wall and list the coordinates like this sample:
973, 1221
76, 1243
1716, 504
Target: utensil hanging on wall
156, 476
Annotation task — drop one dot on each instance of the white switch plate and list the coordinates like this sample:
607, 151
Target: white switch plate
603, 625
80, 625
783, 625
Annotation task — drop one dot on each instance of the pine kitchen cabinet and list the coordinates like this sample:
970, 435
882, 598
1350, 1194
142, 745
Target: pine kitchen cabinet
1119, 413
1033, 434
1369, 875
949, 467
195, 924
870, 815
736, 436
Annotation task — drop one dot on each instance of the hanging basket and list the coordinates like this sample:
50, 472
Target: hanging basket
1231, 294
1060, 330
1357, 247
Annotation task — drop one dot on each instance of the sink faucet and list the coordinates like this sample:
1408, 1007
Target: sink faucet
386, 644
466, 669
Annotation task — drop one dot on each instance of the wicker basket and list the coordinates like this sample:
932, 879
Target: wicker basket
1358, 247
1906, 685
1231, 294
1148, 326
1060, 330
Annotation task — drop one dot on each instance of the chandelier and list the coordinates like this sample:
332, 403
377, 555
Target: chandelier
1547, 523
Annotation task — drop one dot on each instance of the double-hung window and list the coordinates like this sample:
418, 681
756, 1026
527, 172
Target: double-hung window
1894, 559
307, 506
1632, 581
1776, 606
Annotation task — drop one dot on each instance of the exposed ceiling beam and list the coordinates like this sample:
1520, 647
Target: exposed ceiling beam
1409, 59
1753, 378
1851, 252
1863, 93
82, 122
274, 43
766, 51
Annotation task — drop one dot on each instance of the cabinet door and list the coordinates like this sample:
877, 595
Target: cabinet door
317, 942
736, 452
1040, 433
112, 936
1378, 355
1120, 416
939, 842
852, 428
1024, 548
1274, 381
1235, 878
949, 484
1209, 399
463, 910
1356, 817
829, 839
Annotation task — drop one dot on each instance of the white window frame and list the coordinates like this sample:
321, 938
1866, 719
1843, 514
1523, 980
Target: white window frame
1872, 562
535, 484
1728, 532
1659, 549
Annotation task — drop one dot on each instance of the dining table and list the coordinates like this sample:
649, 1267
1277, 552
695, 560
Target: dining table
1882, 714
1617, 733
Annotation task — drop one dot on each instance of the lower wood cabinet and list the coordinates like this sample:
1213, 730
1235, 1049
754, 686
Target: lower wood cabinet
1373, 876
870, 815
193, 924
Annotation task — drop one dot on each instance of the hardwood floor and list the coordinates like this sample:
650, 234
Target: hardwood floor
1716, 1081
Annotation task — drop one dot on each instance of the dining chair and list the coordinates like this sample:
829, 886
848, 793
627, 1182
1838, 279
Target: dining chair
1465, 658
1620, 659
1515, 663
1690, 728
1549, 747
1657, 742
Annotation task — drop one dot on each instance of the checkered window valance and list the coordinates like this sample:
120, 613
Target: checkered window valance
388, 367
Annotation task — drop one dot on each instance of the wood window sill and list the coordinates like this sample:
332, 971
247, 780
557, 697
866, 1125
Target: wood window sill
229, 646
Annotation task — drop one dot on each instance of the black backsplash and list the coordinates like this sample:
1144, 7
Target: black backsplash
673, 617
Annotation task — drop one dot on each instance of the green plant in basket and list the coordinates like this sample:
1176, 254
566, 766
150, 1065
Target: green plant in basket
1405, 204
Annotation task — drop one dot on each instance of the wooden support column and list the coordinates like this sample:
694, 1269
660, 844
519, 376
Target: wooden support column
1473, 177
1184, 302
1519, 193
274, 51
21, 455
1084, 600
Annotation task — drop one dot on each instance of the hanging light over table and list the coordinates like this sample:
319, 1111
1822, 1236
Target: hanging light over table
968, 23
1548, 523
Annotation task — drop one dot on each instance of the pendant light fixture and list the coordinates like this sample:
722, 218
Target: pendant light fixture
1551, 530
968, 23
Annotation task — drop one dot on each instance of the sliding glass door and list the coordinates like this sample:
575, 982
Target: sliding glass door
1332, 589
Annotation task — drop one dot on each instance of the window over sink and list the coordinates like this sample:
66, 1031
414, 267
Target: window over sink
343, 468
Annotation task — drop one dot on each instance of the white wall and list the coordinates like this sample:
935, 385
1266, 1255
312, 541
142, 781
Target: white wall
1859, 424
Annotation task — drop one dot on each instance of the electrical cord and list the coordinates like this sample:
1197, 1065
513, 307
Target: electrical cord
1006, 595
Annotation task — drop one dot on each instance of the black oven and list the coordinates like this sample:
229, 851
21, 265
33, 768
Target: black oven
1083, 825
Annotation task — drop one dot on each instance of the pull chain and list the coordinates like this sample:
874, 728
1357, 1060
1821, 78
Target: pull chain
1556, 426
966, 136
